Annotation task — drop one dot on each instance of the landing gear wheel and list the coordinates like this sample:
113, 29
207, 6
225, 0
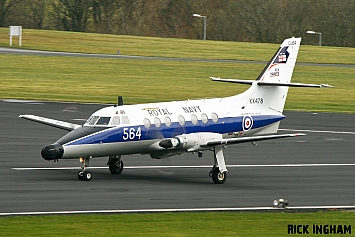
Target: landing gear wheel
81, 175
115, 166
218, 177
84, 175
87, 175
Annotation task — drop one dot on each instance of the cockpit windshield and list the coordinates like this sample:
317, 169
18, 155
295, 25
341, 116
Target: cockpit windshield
92, 120
103, 121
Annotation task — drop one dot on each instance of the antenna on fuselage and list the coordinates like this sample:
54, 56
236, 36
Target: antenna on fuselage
119, 101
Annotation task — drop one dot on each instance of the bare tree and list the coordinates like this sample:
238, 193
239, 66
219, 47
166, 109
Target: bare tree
73, 14
5, 9
37, 12
105, 14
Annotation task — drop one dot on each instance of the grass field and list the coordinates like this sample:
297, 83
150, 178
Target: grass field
138, 81
168, 47
172, 224
101, 80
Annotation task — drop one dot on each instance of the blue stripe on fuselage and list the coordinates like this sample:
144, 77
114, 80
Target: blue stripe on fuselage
224, 125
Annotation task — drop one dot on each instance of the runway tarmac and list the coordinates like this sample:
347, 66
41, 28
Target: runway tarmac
313, 170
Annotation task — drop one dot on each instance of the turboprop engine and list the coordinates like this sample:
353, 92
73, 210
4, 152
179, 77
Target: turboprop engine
190, 142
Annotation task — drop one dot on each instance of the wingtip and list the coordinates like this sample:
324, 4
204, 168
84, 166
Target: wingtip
326, 86
300, 134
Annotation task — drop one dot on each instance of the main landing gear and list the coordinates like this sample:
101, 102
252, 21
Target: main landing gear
219, 170
115, 164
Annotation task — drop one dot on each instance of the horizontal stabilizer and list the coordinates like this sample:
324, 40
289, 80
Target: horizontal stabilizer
247, 82
51, 122
251, 139
262, 83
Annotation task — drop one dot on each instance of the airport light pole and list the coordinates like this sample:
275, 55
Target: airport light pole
316, 33
204, 24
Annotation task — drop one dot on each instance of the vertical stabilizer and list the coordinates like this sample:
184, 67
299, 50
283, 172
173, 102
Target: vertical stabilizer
278, 70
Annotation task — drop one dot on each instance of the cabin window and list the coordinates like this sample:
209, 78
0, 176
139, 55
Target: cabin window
181, 120
214, 117
167, 121
157, 122
146, 123
115, 120
125, 120
204, 118
194, 119
103, 121
92, 120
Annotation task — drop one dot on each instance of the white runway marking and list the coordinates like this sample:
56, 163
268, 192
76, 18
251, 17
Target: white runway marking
317, 131
299, 208
185, 166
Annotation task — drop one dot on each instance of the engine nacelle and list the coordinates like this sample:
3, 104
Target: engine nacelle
190, 142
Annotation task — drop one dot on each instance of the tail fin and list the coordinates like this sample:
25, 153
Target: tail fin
280, 67
277, 72
269, 91
270, 88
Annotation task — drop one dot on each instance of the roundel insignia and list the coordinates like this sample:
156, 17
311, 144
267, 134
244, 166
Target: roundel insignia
247, 123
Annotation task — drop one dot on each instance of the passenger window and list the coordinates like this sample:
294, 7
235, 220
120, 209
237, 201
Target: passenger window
146, 123
194, 119
157, 122
204, 118
167, 121
103, 121
92, 120
115, 120
214, 117
181, 120
125, 120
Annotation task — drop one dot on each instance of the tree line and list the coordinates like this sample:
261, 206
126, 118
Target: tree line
232, 20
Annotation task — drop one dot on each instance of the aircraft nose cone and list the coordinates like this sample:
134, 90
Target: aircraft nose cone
52, 152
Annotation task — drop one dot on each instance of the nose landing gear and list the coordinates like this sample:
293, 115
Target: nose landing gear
84, 174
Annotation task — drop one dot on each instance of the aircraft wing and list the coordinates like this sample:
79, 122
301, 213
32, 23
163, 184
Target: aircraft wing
250, 139
51, 122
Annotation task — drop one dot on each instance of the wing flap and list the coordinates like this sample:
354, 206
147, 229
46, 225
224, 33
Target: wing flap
51, 122
251, 139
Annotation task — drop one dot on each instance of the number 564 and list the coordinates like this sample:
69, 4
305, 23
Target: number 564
131, 133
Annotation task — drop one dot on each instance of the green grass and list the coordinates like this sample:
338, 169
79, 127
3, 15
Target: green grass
141, 81
168, 47
170, 224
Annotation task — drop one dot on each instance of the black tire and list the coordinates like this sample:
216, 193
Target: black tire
81, 175
87, 176
218, 177
115, 166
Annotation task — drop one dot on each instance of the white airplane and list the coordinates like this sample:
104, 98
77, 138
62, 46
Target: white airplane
172, 128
